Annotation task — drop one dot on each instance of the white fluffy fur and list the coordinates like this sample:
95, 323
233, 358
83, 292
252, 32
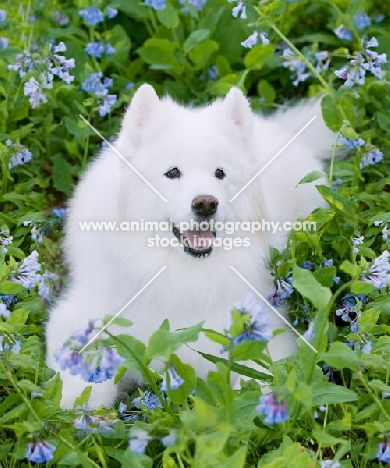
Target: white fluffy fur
108, 268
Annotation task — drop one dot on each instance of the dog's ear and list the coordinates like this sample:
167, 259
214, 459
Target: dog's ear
138, 115
236, 108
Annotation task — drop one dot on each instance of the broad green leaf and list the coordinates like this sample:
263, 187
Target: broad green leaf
168, 17
201, 53
62, 175
187, 373
325, 393
195, 38
306, 284
83, 398
311, 177
341, 356
336, 201
160, 54
9, 287
326, 439
258, 56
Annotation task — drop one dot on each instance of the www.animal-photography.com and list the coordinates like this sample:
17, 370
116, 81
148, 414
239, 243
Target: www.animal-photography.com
194, 234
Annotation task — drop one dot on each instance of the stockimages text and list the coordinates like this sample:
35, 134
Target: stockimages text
201, 233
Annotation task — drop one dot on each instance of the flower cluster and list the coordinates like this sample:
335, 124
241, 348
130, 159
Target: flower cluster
357, 241
19, 154
4, 312
97, 363
93, 16
171, 379
8, 343
365, 60
378, 273
256, 324
89, 423
296, 65
27, 274
282, 290
61, 18
148, 400
140, 438
385, 230
373, 156
275, 411
40, 452
351, 143
350, 305
96, 84
254, 38
98, 48
4, 241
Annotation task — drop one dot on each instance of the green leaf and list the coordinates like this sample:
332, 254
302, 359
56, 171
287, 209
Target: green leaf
306, 284
168, 17
132, 350
326, 439
336, 201
120, 321
311, 177
248, 350
341, 356
53, 389
351, 269
326, 393
136, 460
163, 339
195, 38
348, 132
201, 53
9, 287
83, 398
187, 373
160, 54
332, 113
325, 276
62, 175
258, 56
361, 287
237, 460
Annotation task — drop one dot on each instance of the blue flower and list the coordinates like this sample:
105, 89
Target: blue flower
149, 400
105, 107
95, 49
295, 65
282, 290
11, 344
309, 333
3, 15
4, 312
343, 33
24, 64
361, 20
330, 464
156, 4
84, 423
4, 42
171, 380
130, 86
61, 18
59, 212
308, 265
197, 4
253, 39
8, 299
328, 263
357, 241
239, 9
4, 242
27, 274
92, 15
378, 273
110, 50
111, 12
257, 327
351, 143
34, 91
40, 452
374, 156
139, 439
348, 305
275, 411
169, 439
96, 364
384, 452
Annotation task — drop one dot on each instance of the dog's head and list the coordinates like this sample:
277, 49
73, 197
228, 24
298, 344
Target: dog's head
197, 159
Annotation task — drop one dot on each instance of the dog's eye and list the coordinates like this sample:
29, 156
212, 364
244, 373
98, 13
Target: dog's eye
220, 173
173, 173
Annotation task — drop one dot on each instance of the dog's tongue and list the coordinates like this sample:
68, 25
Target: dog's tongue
200, 240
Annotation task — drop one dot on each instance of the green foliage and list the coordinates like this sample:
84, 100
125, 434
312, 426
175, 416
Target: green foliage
336, 391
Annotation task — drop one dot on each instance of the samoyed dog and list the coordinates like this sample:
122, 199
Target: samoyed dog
195, 161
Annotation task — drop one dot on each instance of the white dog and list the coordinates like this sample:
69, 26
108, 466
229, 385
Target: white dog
198, 159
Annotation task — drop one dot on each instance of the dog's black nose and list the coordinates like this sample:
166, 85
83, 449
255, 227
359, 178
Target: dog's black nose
204, 205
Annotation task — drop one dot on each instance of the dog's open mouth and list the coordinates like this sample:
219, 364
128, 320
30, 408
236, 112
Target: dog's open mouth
196, 243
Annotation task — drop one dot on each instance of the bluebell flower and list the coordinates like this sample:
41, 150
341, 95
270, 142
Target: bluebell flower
379, 17
336, 279
282, 290
110, 50
361, 20
357, 241
92, 83
328, 263
44, 286
295, 65
343, 33
308, 265
92, 15
254, 38
257, 327
97, 363
352, 74
4, 42
309, 333
169, 439
122, 408
130, 86
348, 305
111, 12
275, 411
378, 273
149, 400
84, 423
156, 4
95, 49
4, 312
322, 61
11, 343
4, 241
367, 348
139, 439
171, 380
330, 464
197, 4
351, 143
21, 156
40, 452
239, 10
385, 233
383, 453
27, 274
24, 63
374, 156
59, 212
3, 15
8, 299
106, 105
337, 183
61, 18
